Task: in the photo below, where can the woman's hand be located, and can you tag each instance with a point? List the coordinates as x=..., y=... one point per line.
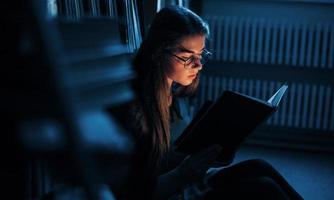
x=190, y=169
x=195, y=166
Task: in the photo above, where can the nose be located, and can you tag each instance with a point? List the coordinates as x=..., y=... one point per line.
x=197, y=64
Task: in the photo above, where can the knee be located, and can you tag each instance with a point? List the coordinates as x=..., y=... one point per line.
x=264, y=182
x=259, y=164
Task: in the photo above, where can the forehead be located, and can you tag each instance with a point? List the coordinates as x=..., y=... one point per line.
x=194, y=43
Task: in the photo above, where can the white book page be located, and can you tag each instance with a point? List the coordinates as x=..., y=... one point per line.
x=276, y=98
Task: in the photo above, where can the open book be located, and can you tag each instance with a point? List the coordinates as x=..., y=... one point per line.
x=227, y=122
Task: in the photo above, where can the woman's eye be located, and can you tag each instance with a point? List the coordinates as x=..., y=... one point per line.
x=190, y=59
x=184, y=56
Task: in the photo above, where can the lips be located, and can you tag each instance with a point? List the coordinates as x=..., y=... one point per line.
x=192, y=76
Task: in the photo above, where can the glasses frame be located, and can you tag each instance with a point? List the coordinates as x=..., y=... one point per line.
x=205, y=55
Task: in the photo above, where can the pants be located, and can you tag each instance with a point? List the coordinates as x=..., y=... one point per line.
x=251, y=179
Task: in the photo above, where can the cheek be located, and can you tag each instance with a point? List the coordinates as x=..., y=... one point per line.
x=176, y=71
x=178, y=74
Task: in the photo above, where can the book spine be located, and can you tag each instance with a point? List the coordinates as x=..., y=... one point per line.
x=68, y=10
x=77, y=8
x=95, y=10
x=111, y=9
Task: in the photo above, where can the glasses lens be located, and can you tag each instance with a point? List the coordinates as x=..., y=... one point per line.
x=190, y=61
x=205, y=56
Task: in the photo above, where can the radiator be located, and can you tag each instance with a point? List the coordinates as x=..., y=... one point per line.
x=272, y=41
x=278, y=43
x=304, y=106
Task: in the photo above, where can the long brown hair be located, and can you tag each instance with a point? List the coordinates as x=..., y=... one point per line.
x=169, y=27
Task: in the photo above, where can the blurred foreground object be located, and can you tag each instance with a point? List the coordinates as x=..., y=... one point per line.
x=62, y=75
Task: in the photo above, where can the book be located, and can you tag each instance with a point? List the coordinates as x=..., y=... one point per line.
x=228, y=121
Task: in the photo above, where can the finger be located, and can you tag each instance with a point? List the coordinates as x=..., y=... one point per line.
x=209, y=159
x=208, y=153
x=206, y=159
x=208, y=150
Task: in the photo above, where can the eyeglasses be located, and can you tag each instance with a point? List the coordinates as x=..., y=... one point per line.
x=190, y=62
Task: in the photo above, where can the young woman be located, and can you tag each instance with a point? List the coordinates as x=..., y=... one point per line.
x=168, y=64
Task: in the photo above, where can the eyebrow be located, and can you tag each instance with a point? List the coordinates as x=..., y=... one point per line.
x=188, y=51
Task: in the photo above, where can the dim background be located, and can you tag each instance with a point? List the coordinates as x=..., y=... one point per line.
x=65, y=61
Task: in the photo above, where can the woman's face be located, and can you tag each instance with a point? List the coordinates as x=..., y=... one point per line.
x=189, y=48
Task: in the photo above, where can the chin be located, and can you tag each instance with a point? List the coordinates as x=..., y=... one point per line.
x=185, y=83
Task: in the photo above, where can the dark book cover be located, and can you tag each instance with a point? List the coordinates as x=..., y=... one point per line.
x=227, y=122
